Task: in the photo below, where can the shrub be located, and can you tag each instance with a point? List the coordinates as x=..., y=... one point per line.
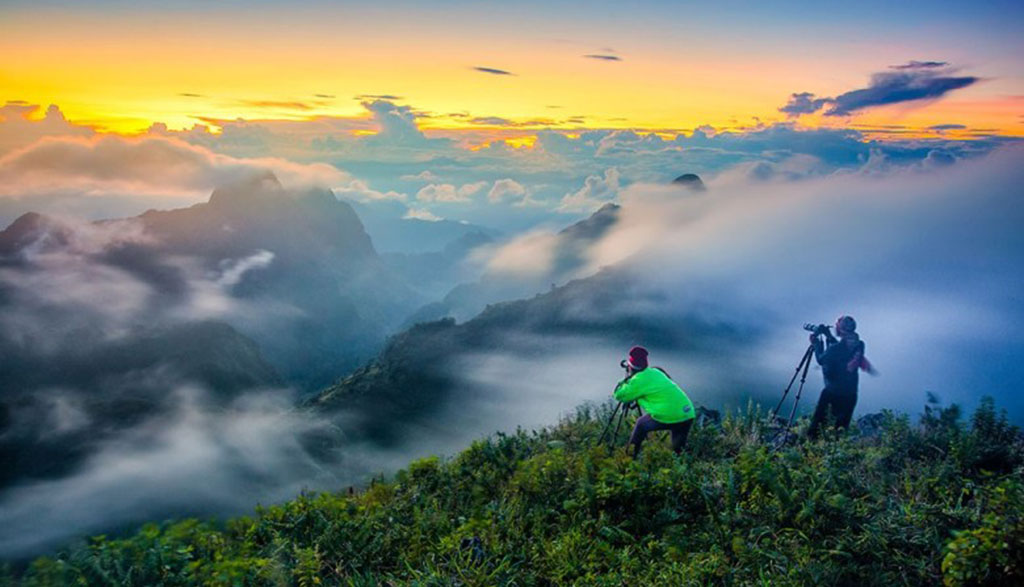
x=937, y=502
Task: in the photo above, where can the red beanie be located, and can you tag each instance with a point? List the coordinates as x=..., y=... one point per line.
x=638, y=358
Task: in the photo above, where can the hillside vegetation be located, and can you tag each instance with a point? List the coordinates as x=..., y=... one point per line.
x=899, y=504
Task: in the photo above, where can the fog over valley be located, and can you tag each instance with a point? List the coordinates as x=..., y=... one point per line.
x=241, y=347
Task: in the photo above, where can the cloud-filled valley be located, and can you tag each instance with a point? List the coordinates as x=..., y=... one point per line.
x=192, y=338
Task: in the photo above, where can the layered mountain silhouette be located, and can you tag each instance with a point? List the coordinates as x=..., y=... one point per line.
x=100, y=323
x=421, y=371
x=434, y=273
x=571, y=245
x=262, y=287
x=334, y=298
x=393, y=231
x=55, y=409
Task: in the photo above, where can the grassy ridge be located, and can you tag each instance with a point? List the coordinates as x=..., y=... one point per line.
x=939, y=502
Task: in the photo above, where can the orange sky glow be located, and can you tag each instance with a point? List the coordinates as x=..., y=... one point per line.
x=122, y=74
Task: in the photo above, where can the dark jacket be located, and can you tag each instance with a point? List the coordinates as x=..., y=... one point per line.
x=839, y=363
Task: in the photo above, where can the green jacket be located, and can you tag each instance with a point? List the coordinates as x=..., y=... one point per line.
x=658, y=395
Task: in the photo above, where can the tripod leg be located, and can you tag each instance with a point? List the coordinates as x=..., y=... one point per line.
x=608, y=425
x=799, y=393
x=801, y=369
x=622, y=416
x=804, y=362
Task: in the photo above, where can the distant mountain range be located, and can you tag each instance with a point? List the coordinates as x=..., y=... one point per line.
x=258, y=287
x=469, y=299
x=56, y=409
x=420, y=372
x=340, y=298
x=263, y=287
x=393, y=232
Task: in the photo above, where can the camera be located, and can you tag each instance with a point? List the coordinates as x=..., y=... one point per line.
x=624, y=364
x=818, y=329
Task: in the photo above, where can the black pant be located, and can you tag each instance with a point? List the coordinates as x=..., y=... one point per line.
x=839, y=403
x=646, y=424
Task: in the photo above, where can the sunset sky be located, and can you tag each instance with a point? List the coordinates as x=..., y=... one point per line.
x=508, y=114
x=671, y=66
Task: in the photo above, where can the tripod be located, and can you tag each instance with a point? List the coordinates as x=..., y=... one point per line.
x=801, y=369
x=621, y=410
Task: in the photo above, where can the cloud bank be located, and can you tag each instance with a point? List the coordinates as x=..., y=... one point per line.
x=201, y=458
x=927, y=259
x=388, y=158
x=110, y=176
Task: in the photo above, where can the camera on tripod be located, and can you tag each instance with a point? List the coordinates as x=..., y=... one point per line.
x=621, y=413
x=818, y=329
x=801, y=371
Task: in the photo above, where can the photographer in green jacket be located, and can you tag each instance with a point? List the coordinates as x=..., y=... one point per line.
x=666, y=405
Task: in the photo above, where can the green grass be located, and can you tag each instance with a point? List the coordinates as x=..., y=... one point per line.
x=932, y=503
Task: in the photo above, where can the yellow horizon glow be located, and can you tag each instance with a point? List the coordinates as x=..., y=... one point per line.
x=123, y=79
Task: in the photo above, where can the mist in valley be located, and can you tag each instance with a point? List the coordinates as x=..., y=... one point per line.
x=929, y=261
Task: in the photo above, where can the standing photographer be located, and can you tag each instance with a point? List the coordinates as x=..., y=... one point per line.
x=840, y=361
x=666, y=405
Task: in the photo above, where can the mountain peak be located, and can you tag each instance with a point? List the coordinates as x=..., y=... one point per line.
x=27, y=228
x=691, y=181
x=257, y=187
x=595, y=225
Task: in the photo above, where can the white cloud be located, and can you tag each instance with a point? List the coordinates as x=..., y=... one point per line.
x=448, y=193
x=505, y=190
x=596, y=191
x=20, y=126
x=425, y=176
x=359, y=191
x=928, y=260
x=531, y=254
x=439, y=192
x=420, y=214
x=471, y=189
x=140, y=166
x=249, y=451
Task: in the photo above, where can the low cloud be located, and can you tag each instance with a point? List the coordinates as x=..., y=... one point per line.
x=386, y=149
x=596, y=192
x=425, y=175
x=140, y=166
x=506, y=190
x=20, y=125
x=200, y=458
x=419, y=214
x=528, y=255
x=910, y=252
x=397, y=123
x=102, y=281
x=603, y=57
x=448, y=193
x=359, y=191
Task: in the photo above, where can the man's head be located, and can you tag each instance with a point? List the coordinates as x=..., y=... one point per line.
x=846, y=325
x=637, y=359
